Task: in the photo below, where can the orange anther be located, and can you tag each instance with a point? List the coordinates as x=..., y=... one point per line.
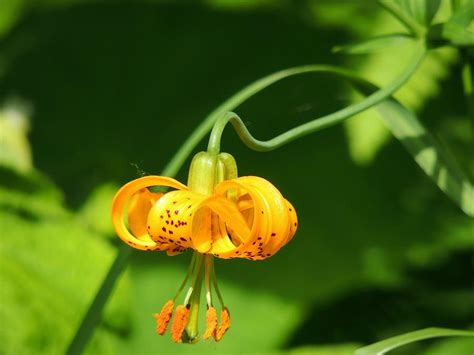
x=225, y=324
x=164, y=317
x=211, y=318
x=179, y=323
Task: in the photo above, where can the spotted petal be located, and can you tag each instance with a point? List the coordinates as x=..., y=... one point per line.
x=140, y=200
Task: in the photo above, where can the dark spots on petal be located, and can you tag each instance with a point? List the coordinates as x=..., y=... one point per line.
x=296, y=224
x=183, y=239
x=176, y=212
x=167, y=222
x=163, y=229
x=273, y=234
x=170, y=232
x=261, y=211
x=259, y=238
x=290, y=209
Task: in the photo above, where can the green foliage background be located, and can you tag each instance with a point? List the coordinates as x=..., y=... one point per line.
x=112, y=90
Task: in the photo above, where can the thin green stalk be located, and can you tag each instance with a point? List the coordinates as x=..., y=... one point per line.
x=92, y=317
x=318, y=123
x=216, y=286
x=185, y=280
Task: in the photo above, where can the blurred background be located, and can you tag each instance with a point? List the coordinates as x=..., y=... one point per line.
x=94, y=94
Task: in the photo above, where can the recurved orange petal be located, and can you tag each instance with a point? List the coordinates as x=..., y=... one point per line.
x=123, y=196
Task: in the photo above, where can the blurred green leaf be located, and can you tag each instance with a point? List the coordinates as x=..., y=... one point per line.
x=430, y=155
x=460, y=27
x=421, y=11
x=50, y=268
x=15, y=151
x=366, y=133
x=400, y=340
x=339, y=349
x=373, y=44
x=10, y=11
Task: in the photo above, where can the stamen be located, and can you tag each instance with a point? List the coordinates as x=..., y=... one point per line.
x=214, y=282
x=225, y=324
x=179, y=323
x=164, y=317
x=188, y=273
x=211, y=320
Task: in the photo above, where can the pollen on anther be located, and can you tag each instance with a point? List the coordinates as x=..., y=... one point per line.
x=211, y=320
x=164, y=317
x=179, y=323
x=225, y=324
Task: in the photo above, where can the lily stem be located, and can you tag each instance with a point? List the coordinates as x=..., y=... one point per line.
x=316, y=124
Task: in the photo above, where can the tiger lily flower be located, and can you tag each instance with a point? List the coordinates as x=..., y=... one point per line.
x=217, y=215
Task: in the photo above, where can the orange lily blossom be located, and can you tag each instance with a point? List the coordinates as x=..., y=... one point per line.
x=217, y=215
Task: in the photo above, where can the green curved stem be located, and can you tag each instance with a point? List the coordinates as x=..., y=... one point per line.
x=230, y=104
x=92, y=317
x=318, y=123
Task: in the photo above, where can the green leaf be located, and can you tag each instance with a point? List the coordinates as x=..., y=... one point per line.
x=50, y=266
x=10, y=12
x=422, y=11
x=460, y=27
x=430, y=155
x=400, y=340
x=373, y=44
